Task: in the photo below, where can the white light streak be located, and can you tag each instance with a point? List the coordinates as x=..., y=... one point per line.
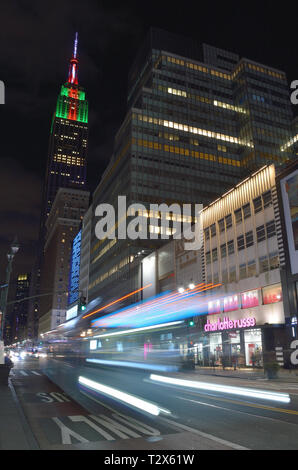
x=133, y=330
x=122, y=396
x=246, y=392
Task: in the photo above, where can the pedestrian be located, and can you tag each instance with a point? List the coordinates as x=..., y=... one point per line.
x=8, y=362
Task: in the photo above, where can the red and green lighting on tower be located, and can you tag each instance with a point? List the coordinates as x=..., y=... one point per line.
x=71, y=102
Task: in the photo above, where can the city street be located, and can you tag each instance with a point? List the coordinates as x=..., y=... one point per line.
x=69, y=417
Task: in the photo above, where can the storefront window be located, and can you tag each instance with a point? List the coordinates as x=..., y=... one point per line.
x=214, y=306
x=253, y=347
x=272, y=294
x=230, y=303
x=215, y=342
x=249, y=299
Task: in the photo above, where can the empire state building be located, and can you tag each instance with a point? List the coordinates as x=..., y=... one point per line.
x=67, y=155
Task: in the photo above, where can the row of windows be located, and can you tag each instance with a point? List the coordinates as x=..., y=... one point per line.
x=246, y=270
x=259, y=203
x=243, y=241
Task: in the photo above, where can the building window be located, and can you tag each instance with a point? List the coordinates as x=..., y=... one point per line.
x=207, y=235
x=228, y=220
x=273, y=260
x=267, y=199
x=231, y=303
x=257, y=204
x=240, y=243
x=242, y=271
x=249, y=299
x=208, y=257
x=214, y=254
x=221, y=225
x=213, y=230
x=223, y=250
x=260, y=233
x=238, y=216
x=249, y=239
x=251, y=268
x=233, y=274
x=246, y=211
x=231, y=249
x=264, y=266
x=270, y=229
x=272, y=294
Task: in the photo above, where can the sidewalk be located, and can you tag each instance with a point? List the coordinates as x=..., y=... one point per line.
x=15, y=433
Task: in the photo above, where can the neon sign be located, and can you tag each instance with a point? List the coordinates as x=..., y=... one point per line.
x=228, y=324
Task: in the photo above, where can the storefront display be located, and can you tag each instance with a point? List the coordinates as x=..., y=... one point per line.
x=272, y=294
x=253, y=347
x=249, y=299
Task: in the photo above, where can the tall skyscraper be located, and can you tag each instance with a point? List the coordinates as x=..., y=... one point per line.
x=67, y=155
x=16, y=328
x=199, y=120
x=66, y=162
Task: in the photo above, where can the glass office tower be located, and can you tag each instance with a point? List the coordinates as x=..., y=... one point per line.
x=199, y=120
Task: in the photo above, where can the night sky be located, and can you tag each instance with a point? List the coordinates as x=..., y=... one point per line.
x=36, y=41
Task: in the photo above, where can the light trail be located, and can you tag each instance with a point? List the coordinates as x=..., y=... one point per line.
x=246, y=392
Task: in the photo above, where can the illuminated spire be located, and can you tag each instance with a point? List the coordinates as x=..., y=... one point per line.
x=73, y=66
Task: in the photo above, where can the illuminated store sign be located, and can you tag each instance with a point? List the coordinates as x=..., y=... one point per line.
x=228, y=324
x=71, y=312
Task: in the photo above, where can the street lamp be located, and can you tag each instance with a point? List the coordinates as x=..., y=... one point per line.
x=14, y=248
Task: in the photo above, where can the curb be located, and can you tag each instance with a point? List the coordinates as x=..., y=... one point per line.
x=32, y=442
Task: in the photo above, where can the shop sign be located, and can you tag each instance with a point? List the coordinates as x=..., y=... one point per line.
x=228, y=324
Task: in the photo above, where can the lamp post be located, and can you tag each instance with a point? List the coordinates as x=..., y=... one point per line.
x=14, y=248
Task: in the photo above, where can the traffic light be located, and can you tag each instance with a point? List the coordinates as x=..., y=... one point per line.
x=82, y=304
x=191, y=322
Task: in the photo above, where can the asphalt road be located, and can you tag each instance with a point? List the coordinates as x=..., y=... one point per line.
x=64, y=414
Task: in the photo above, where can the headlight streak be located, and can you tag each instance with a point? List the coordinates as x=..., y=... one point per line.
x=133, y=330
x=134, y=365
x=123, y=396
x=246, y=392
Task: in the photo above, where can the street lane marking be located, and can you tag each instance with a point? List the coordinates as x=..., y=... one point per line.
x=252, y=405
x=23, y=372
x=66, y=433
x=34, y=372
x=205, y=435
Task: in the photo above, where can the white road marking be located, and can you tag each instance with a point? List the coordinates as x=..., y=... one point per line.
x=66, y=433
x=84, y=419
x=34, y=372
x=203, y=434
x=23, y=372
x=132, y=422
x=115, y=427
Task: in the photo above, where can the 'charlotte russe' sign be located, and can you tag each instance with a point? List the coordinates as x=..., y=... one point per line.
x=228, y=324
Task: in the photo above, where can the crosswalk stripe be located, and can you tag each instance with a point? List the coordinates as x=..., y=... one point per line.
x=34, y=372
x=23, y=372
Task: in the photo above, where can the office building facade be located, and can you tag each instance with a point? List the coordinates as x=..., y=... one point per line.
x=62, y=225
x=197, y=123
